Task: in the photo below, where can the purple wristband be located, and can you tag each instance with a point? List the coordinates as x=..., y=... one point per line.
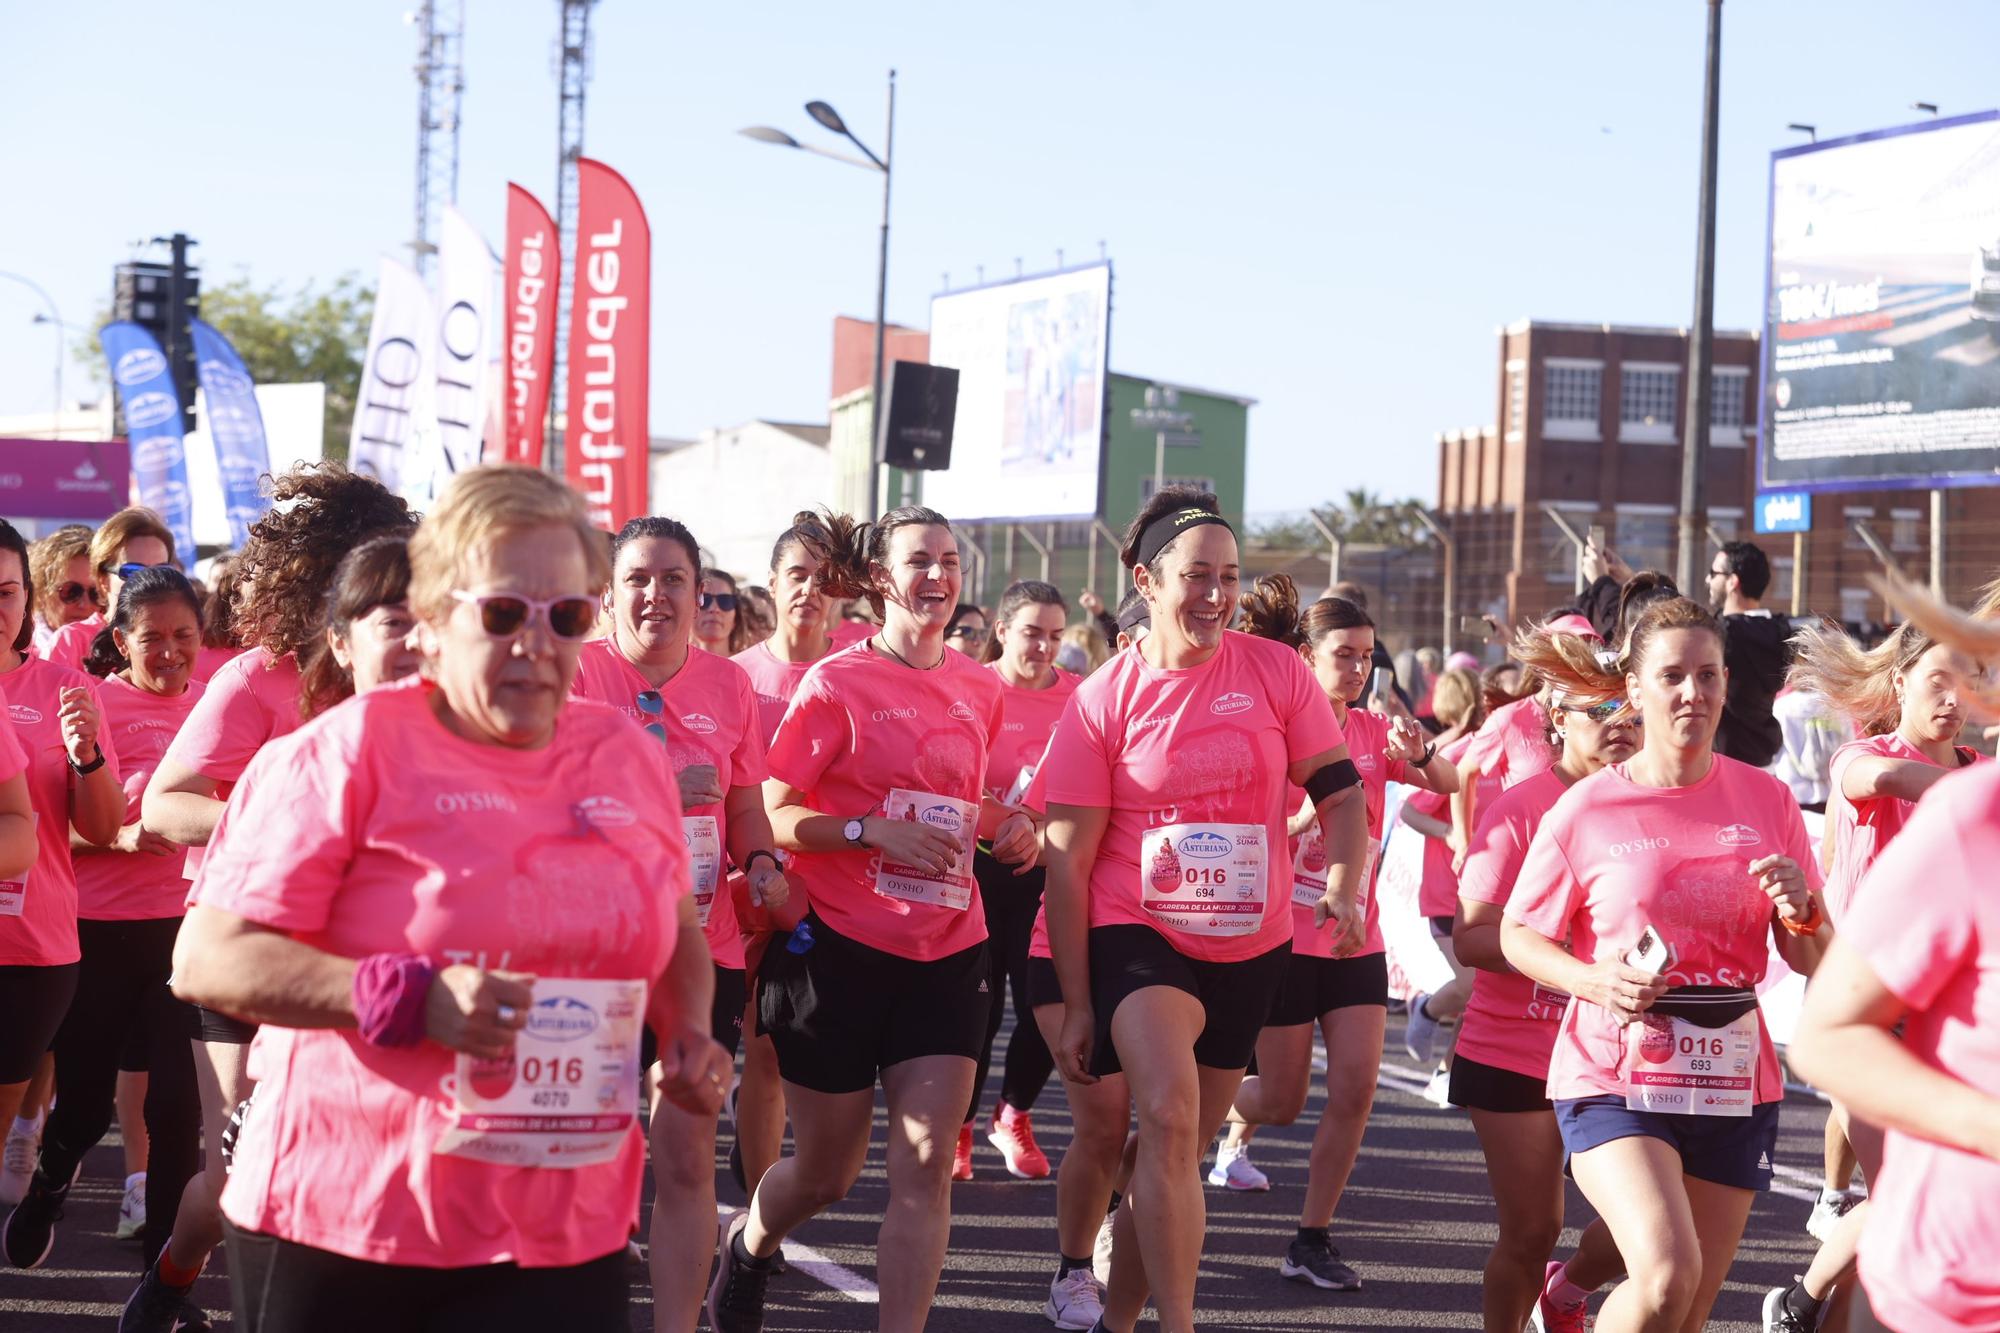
x=390, y=990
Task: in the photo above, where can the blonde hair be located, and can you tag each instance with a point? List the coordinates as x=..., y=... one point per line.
x=1095, y=651
x=1456, y=699
x=121, y=528
x=483, y=507
x=1858, y=682
x=48, y=559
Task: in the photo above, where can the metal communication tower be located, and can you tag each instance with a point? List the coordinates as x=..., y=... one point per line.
x=440, y=96
x=573, y=74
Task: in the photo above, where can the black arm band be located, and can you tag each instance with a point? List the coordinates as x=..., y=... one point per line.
x=1332, y=779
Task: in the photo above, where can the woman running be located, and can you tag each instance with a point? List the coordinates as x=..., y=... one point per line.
x=877, y=788
x=1500, y=1071
x=704, y=710
x=1669, y=876
x=1905, y=696
x=718, y=624
x=968, y=631
x=1169, y=906
x=1021, y=653
x=1345, y=997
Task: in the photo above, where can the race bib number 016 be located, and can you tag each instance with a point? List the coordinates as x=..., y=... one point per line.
x=960, y=819
x=569, y=1095
x=704, y=844
x=1205, y=879
x=1682, y=1068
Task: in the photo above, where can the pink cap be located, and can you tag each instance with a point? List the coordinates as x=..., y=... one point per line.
x=1461, y=661
x=1574, y=624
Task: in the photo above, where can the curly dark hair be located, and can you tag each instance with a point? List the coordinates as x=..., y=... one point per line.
x=321, y=511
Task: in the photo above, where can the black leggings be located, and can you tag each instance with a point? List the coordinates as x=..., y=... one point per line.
x=279, y=1286
x=121, y=987
x=1011, y=903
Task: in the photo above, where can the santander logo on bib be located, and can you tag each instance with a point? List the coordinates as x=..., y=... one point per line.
x=701, y=724
x=1738, y=835
x=1233, y=702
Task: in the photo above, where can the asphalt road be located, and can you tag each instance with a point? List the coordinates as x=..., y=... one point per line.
x=1417, y=1221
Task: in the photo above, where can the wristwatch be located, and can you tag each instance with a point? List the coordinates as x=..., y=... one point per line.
x=84, y=770
x=852, y=831
x=1430, y=753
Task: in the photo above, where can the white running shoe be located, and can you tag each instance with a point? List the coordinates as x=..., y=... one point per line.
x=1100, y=1253
x=1233, y=1169
x=1826, y=1214
x=132, y=1208
x=1420, y=1030
x=1438, y=1091
x=1075, y=1301
x=17, y=1164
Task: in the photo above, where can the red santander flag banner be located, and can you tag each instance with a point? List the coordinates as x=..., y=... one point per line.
x=534, y=273
x=610, y=319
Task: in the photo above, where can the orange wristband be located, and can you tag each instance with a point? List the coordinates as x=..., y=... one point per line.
x=1810, y=924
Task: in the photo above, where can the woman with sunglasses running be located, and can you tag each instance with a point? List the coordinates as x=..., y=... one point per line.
x=1906, y=697
x=1501, y=1069
x=703, y=709
x=877, y=788
x=130, y=540
x=1345, y=997
x=1669, y=876
x=1169, y=901
x=65, y=592
x=968, y=631
x=718, y=624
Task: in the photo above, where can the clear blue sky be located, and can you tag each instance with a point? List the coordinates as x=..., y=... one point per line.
x=1329, y=207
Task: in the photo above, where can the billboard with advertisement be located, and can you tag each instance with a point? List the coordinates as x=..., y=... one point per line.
x=1882, y=325
x=1032, y=385
x=76, y=480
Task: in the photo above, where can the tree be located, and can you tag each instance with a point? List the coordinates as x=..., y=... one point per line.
x=1360, y=517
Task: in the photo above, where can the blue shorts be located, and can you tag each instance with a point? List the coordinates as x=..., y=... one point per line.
x=1723, y=1150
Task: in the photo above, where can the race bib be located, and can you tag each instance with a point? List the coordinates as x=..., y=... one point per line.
x=14, y=892
x=1682, y=1068
x=1020, y=787
x=569, y=1095
x=1546, y=1005
x=1205, y=879
x=704, y=844
x=1309, y=869
x=960, y=819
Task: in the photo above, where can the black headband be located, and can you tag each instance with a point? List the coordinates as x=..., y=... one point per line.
x=1166, y=527
x=1139, y=613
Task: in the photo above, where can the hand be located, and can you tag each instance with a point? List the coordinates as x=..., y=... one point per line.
x=1616, y=567
x=768, y=885
x=699, y=786
x=1595, y=565
x=1015, y=843
x=77, y=712
x=907, y=843
x=1348, y=923
x=1090, y=602
x=1406, y=739
x=463, y=1010
x=1302, y=821
x=1784, y=883
x=1616, y=985
x=694, y=1070
x=133, y=838
x=1073, y=1046
x=1460, y=845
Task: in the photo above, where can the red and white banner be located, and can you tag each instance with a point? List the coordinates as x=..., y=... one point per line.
x=534, y=274
x=610, y=318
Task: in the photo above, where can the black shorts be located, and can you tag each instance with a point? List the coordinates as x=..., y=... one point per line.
x=725, y=1016
x=1044, y=986
x=1478, y=1087
x=33, y=1001
x=841, y=1012
x=219, y=1029
x=1441, y=927
x=1316, y=986
x=1236, y=997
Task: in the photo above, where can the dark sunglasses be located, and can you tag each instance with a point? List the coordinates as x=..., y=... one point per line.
x=132, y=567
x=652, y=705
x=972, y=632
x=717, y=601
x=503, y=614
x=72, y=592
x=1602, y=711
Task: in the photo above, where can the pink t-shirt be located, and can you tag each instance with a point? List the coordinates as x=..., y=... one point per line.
x=1510, y=1020
x=135, y=886
x=71, y=642
x=1859, y=833
x=47, y=925
x=710, y=718
x=1612, y=857
x=1437, y=894
x=14, y=930
x=1513, y=745
x=209, y=661
x=1367, y=736
x=774, y=681
x=1930, y=930
x=399, y=836
x=1027, y=717
x=251, y=699
x=860, y=727
x=1209, y=746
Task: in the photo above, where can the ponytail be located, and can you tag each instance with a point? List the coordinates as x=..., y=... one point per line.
x=1270, y=610
x=848, y=548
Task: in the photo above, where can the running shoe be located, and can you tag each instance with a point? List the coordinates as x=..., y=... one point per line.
x=30, y=1232
x=1826, y=1214
x=1781, y=1318
x=1549, y=1316
x=1233, y=1169
x=132, y=1208
x=1420, y=1030
x=156, y=1307
x=1014, y=1135
x=1318, y=1263
x=1100, y=1253
x=961, y=1158
x=1075, y=1300
x=736, y=1168
x=194, y=1319
x=1438, y=1091
x=17, y=1163
x=736, y=1296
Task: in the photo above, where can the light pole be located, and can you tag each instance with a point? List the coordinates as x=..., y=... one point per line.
x=1810, y=131
x=829, y=118
x=1701, y=351
x=55, y=318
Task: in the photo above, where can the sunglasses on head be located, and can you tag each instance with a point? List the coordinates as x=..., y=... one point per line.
x=505, y=614
x=717, y=601
x=72, y=592
x=132, y=567
x=652, y=705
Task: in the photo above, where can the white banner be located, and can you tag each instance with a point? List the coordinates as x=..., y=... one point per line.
x=395, y=418
x=467, y=279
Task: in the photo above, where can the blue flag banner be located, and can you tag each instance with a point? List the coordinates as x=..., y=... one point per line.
x=153, y=429
x=236, y=426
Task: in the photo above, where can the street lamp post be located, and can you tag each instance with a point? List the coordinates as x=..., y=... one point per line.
x=54, y=317
x=830, y=119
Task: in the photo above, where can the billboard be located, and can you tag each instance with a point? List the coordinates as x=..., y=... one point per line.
x=1029, y=436
x=1882, y=322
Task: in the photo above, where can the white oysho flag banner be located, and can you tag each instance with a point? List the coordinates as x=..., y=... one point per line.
x=395, y=419
x=467, y=279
